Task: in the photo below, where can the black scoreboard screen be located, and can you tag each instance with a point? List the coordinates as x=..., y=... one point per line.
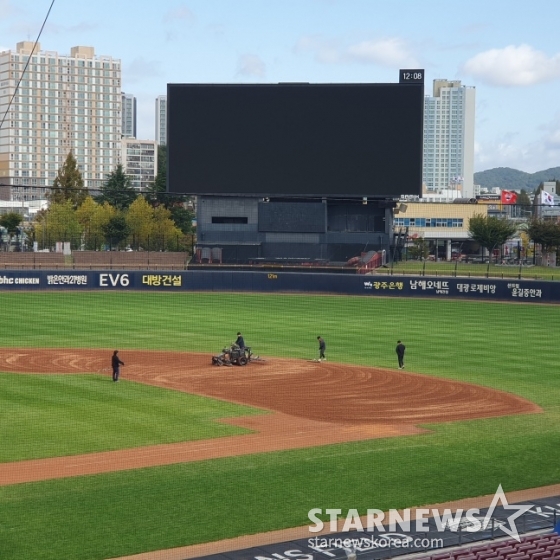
x=295, y=140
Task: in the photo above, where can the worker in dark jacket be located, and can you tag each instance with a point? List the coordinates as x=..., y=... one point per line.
x=322, y=348
x=400, y=353
x=115, y=364
x=240, y=342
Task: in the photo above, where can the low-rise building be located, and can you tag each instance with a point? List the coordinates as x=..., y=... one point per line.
x=445, y=226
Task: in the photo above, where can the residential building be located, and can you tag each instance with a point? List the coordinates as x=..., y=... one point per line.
x=139, y=160
x=128, y=115
x=55, y=104
x=449, y=117
x=161, y=120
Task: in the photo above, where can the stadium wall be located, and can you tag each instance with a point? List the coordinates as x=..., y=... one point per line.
x=282, y=282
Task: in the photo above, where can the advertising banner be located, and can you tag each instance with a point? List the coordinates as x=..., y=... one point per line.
x=285, y=282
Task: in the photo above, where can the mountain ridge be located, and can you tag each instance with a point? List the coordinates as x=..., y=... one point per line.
x=513, y=179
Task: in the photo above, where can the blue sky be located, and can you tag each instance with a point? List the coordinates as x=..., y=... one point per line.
x=508, y=49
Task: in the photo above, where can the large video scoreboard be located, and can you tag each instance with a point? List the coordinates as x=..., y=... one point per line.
x=296, y=139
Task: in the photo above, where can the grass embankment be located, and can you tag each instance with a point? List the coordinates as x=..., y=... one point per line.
x=472, y=270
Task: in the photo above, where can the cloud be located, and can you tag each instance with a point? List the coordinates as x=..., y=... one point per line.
x=551, y=137
x=502, y=152
x=251, y=65
x=180, y=13
x=510, y=151
x=325, y=51
x=175, y=19
x=389, y=51
x=513, y=66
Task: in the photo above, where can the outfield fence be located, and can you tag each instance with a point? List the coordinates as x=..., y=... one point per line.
x=283, y=282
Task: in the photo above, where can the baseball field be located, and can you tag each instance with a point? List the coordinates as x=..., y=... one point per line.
x=180, y=452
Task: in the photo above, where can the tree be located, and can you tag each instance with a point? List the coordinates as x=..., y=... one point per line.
x=490, y=231
x=419, y=249
x=11, y=222
x=183, y=217
x=68, y=184
x=523, y=198
x=93, y=217
x=544, y=232
x=117, y=190
x=166, y=234
x=157, y=195
x=524, y=203
x=139, y=217
x=116, y=230
x=58, y=223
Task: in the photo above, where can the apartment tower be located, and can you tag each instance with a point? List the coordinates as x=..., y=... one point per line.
x=128, y=115
x=161, y=120
x=54, y=104
x=449, y=138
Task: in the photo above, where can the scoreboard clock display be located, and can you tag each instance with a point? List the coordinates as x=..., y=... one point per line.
x=411, y=76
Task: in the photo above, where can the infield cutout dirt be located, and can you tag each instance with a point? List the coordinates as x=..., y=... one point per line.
x=312, y=404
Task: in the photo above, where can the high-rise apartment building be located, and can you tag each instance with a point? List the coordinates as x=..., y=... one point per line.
x=449, y=138
x=55, y=104
x=139, y=159
x=128, y=115
x=161, y=120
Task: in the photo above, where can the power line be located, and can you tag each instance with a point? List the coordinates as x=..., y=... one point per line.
x=27, y=64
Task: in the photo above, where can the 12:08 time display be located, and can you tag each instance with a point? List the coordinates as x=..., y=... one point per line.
x=411, y=76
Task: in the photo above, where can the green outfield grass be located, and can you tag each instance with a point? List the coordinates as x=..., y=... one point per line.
x=507, y=346
x=55, y=415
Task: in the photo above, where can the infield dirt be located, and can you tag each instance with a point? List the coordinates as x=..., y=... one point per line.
x=311, y=404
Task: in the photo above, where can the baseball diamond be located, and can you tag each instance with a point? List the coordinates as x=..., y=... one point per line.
x=307, y=411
